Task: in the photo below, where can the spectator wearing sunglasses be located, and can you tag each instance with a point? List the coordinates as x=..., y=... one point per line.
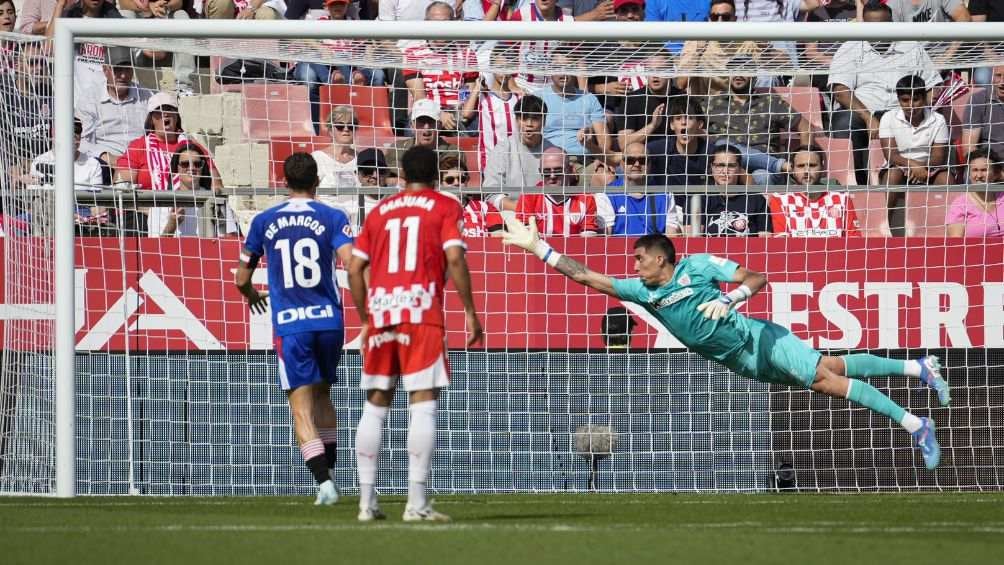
x=715, y=55
x=560, y=211
x=480, y=216
x=631, y=211
x=191, y=166
x=336, y=163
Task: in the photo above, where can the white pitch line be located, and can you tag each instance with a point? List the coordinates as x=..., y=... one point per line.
x=585, y=500
x=829, y=527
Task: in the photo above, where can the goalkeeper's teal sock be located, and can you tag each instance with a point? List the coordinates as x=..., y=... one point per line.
x=864, y=365
x=868, y=396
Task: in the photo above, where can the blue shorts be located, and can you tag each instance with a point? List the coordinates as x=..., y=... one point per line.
x=775, y=355
x=308, y=358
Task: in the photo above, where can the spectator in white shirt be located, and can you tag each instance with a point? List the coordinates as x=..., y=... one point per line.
x=863, y=76
x=89, y=174
x=115, y=115
x=915, y=143
x=514, y=163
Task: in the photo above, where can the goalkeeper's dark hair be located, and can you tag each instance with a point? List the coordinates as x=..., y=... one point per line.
x=420, y=165
x=300, y=170
x=686, y=106
x=659, y=243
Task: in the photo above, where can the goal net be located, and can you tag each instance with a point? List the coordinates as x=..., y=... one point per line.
x=793, y=158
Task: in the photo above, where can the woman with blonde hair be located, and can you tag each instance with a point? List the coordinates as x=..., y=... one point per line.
x=336, y=163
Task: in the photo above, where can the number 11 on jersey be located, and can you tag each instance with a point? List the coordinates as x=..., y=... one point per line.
x=393, y=226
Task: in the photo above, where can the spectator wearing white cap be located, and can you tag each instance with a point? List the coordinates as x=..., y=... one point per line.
x=147, y=160
x=425, y=124
x=114, y=115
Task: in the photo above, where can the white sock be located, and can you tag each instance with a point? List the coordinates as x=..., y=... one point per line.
x=911, y=368
x=421, y=443
x=910, y=422
x=368, y=437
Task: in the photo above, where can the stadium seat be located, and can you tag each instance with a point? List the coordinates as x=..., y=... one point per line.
x=276, y=111
x=839, y=159
x=372, y=108
x=926, y=212
x=872, y=213
x=806, y=101
x=215, y=64
x=876, y=159
x=279, y=149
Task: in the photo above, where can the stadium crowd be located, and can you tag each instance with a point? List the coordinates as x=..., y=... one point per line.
x=643, y=142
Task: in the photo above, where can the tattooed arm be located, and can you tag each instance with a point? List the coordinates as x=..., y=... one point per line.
x=580, y=274
x=526, y=237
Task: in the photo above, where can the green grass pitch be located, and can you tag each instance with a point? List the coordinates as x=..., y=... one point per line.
x=949, y=529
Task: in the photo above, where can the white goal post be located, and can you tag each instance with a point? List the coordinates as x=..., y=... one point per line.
x=284, y=34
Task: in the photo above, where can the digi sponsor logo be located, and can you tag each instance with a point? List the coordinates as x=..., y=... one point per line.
x=299, y=313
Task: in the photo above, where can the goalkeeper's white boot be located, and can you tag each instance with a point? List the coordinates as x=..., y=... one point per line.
x=327, y=494
x=930, y=374
x=427, y=514
x=370, y=514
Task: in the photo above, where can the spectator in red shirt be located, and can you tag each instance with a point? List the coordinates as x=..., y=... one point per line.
x=448, y=89
x=147, y=160
x=480, y=216
x=820, y=211
x=557, y=213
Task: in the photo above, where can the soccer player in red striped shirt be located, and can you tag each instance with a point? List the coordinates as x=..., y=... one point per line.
x=409, y=243
x=818, y=212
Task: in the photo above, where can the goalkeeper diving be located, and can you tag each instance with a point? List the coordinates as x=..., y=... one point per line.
x=687, y=299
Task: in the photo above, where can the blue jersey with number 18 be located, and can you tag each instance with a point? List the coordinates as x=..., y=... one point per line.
x=298, y=239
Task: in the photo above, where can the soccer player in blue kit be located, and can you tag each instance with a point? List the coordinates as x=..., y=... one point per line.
x=299, y=238
x=686, y=297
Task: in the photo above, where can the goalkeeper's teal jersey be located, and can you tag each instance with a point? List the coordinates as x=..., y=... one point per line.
x=695, y=281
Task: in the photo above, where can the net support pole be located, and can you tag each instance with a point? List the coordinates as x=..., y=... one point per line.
x=63, y=327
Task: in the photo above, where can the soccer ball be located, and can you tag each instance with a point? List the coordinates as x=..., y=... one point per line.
x=594, y=441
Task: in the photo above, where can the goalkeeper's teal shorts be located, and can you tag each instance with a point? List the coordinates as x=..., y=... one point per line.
x=775, y=355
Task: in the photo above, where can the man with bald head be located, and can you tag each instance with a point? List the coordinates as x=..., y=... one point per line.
x=558, y=209
x=633, y=210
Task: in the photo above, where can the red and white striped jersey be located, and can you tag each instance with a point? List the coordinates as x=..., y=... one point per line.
x=574, y=215
x=479, y=216
x=532, y=52
x=830, y=215
x=633, y=75
x=441, y=84
x=496, y=120
x=405, y=238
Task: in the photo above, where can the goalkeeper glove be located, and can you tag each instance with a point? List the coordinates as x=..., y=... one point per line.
x=720, y=307
x=525, y=236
